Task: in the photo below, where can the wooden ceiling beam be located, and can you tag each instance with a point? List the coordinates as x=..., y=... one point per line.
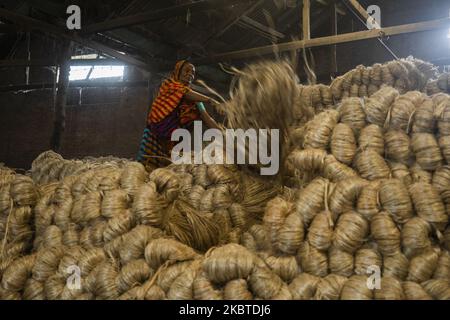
x=330, y=40
x=51, y=63
x=155, y=15
x=41, y=26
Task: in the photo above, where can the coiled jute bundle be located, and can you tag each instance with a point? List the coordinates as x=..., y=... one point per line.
x=353, y=114
x=50, y=166
x=343, y=143
x=426, y=148
x=18, y=196
x=429, y=205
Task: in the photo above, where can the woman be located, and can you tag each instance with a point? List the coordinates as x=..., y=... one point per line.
x=176, y=106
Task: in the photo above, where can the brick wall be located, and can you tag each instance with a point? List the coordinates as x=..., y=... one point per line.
x=108, y=122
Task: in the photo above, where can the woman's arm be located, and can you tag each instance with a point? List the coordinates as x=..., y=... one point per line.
x=198, y=97
x=210, y=122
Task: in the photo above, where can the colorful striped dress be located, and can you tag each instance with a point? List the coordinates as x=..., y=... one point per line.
x=168, y=112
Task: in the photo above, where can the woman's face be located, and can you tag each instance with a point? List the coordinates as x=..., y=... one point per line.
x=187, y=74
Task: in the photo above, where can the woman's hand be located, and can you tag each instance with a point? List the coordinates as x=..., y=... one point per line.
x=213, y=102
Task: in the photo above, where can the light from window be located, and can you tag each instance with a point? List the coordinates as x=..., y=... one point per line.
x=95, y=72
x=107, y=72
x=448, y=35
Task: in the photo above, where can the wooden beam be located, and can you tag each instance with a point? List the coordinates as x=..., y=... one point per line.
x=27, y=63
x=333, y=48
x=61, y=97
x=52, y=63
x=154, y=15
x=306, y=20
x=260, y=28
x=327, y=4
x=37, y=25
x=330, y=40
x=76, y=84
x=232, y=21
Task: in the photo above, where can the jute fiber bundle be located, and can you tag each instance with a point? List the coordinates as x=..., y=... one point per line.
x=444, y=144
x=416, y=236
x=284, y=266
x=350, y=232
x=404, y=74
x=414, y=291
x=442, y=270
x=390, y=289
x=429, y=205
x=312, y=260
x=345, y=195
x=427, y=151
x=444, y=82
x=320, y=231
x=371, y=165
x=377, y=106
x=422, y=266
x=368, y=204
x=403, y=109
x=330, y=287
x=442, y=113
x=284, y=225
x=356, y=288
x=396, y=266
x=398, y=146
x=311, y=200
x=418, y=174
x=50, y=166
x=263, y=97
x=385, y=233
x=402, y=172
x=341, y=262
x=18, y=196
x=424, y=120
x=366, y=258
x=306, y=165
x=343, y=143
x=371, y=137
x=304, y=286
x=394, y=199
x=352, y=114
x=319, y=130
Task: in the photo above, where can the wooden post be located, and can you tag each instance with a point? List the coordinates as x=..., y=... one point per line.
x=306, y=20
x=60, y=104
x=334, y=68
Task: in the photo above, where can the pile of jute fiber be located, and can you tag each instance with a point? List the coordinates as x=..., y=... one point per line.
x=366, y=188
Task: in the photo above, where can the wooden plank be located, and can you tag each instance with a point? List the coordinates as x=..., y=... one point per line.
x=330, y=40
x=61, y=97
x=76, y=84
x=25, y=63
x=232, y=21
x=52, y=63
x=262, y=28
x=96, y=62
x=154, y=15
x=37, y=25
x=306, y=20
x=333, y=48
